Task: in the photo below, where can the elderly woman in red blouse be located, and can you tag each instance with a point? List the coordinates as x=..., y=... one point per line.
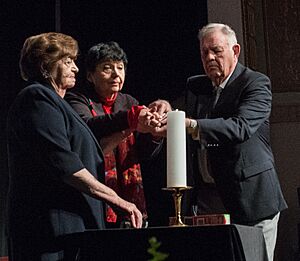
x=109, y=113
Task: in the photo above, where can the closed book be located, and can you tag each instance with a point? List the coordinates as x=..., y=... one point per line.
x=203, y=220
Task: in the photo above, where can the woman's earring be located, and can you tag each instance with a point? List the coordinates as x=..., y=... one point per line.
x=45, y=74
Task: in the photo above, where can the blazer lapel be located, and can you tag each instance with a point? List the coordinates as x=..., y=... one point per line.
x=203, y=106
x=65, y=104
x=232, y=83
x=75, y=114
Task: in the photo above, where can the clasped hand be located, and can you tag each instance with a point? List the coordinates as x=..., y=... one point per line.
x=153, y=119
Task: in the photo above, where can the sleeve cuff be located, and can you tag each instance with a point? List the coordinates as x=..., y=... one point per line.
x=133, y=116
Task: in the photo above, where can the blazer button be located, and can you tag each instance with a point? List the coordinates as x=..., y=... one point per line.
x=213, y=145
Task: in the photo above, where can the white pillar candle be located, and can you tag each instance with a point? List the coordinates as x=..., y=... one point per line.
x=176, y=149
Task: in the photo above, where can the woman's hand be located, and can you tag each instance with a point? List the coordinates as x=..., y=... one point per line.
x=160, y=131
x=109, y=143
x=154, y=119
x=85, y=182
x=147, y=121
x=160, y=107
x=135, y=215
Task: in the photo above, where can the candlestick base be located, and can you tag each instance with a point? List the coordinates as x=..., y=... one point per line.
x=177, y=196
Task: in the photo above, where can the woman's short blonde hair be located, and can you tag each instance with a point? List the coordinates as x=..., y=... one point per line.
x=40, y=53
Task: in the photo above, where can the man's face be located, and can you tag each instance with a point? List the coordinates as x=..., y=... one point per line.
x=218, y=58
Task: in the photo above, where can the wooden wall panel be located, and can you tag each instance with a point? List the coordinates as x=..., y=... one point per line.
x=283, y=37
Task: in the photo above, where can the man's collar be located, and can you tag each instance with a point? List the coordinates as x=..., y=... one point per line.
x=223, y=84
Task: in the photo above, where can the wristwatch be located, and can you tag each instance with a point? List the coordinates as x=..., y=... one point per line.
x=192, y=127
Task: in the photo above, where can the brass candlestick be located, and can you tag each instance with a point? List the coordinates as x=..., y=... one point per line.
x=177, y=196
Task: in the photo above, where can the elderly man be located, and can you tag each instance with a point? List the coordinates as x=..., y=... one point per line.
x=229, y=111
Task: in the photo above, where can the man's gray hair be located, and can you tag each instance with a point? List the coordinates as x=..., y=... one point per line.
x=212, y=27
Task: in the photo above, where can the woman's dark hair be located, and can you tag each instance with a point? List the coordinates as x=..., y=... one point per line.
x=40, y=53
x=110, y=51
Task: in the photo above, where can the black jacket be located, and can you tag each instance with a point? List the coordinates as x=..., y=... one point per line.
x=237, y=138
x=47, y=140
